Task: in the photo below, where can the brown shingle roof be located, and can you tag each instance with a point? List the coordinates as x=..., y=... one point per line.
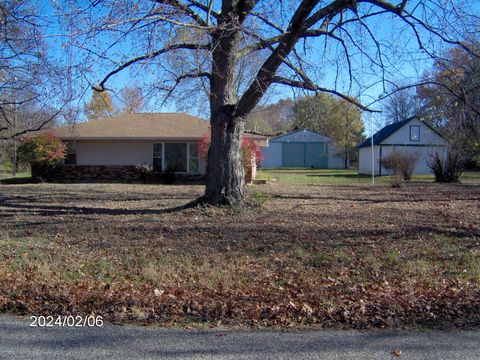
x=140, y=126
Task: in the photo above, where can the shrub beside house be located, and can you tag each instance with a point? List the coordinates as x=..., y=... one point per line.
x=42, y=153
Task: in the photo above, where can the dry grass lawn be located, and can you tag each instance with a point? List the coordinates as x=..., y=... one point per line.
x=347, y=256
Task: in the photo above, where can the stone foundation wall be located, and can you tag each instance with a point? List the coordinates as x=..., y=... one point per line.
x=98, y=173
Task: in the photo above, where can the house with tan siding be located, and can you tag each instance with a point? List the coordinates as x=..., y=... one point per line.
x=115, y=145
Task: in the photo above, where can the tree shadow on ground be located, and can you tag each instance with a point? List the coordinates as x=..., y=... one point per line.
x=19, y=181
x=346, y=176
x=52, y=210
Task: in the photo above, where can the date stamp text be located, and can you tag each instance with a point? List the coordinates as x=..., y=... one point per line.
x=66, y=321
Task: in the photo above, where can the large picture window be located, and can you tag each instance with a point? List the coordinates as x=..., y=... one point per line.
x=157, y=157
x=176, y=157
x=414, y=133
x=179, y=157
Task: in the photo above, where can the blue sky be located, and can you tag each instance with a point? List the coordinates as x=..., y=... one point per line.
x=407, y=67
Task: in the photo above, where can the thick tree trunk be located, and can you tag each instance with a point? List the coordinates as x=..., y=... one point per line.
x=225, y=175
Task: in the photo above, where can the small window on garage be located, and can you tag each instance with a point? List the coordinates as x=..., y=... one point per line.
x=414, y=132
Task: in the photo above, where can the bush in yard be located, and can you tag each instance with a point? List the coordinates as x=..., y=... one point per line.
x=250, y=150
x=42, y=153
x=401, y=164
x=398, y=181
x=8, y=166
x=169, y=174
x=446, y=168
x=474, y=162
x=145, y=170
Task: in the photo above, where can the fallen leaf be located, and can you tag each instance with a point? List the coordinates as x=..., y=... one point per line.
x=158, y=293
x=397, y=352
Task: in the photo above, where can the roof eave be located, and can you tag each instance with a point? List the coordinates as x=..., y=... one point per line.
x=129, y=138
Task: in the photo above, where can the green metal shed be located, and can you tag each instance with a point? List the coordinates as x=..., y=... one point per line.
x=302, y=149
x=305, y=154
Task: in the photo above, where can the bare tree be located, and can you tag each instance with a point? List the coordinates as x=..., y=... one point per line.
x=212, y=42
x=132, y=99
x=401, y=105
x=29, y=82
x=452, y=102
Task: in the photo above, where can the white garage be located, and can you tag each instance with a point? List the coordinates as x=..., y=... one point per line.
x=409, y=136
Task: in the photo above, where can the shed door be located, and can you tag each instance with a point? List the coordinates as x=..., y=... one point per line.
x=305, y=155
x=316, y=155
x=293, y=155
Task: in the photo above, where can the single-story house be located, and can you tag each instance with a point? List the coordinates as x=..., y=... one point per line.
x=302, y=149
x=411, y=136
x=113, y=146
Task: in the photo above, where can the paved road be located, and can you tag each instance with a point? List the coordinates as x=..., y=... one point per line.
x=19, y=341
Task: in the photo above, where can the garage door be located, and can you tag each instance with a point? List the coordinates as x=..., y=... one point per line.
x=316, y=155
x=293, y=155
x=305, y=155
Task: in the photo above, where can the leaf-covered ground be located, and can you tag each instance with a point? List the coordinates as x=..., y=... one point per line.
x=331, y=256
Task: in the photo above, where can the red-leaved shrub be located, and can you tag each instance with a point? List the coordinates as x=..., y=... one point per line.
x=42, y=152
x=250, y=150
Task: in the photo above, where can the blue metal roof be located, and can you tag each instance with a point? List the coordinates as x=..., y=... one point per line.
x=385, y=132
x=301, y=135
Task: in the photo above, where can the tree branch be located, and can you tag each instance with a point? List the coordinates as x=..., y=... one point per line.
x=101, y=86
x=180, y=78
x=208, y=9
x=185, y=9
x=265, y=43
x=399, y=10
x=423, y=83
x=312, y=87
x=267, y=21
x=34, y=129
x=298, y=25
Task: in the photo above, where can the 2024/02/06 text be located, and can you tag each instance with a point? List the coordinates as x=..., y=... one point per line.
x=66, y=321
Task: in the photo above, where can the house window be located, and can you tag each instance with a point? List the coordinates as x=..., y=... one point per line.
x=157, y=157
x=414, y=132
x=71, y=156
x=193, y=158
x=180, y=157
x=176, y=156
